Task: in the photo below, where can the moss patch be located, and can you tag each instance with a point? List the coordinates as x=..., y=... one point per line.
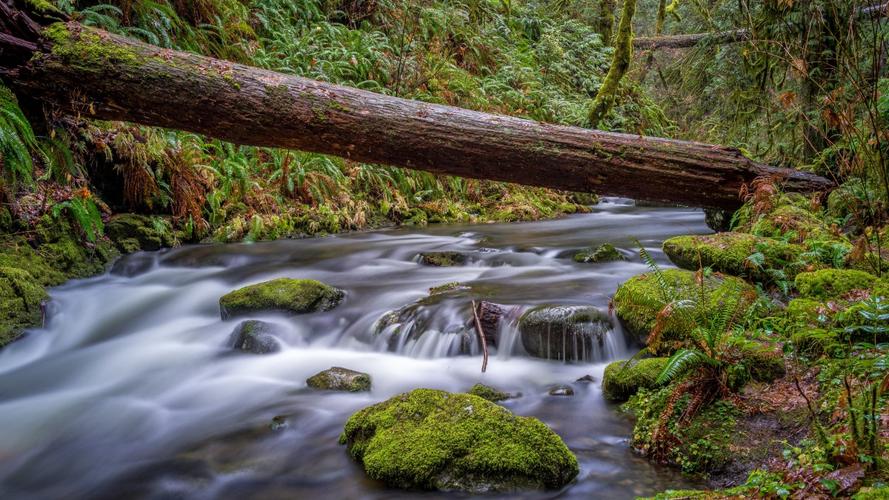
x=731, y=253
x=20, y=302
x=833, y=283
x=622, y=380
x=293, y=296
x=488, y=392
x=639, y=300
x=443, y=259
x=431, y=439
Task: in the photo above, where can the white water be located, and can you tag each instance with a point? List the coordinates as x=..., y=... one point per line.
x=129, y=390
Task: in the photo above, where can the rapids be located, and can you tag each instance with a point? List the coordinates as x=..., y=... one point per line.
x=128, y=390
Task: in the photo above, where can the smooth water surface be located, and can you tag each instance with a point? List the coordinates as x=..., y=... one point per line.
x=130, y=392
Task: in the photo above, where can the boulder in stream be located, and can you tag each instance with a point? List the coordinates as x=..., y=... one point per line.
x=340, y=379
x=431, y=439
x=443, y=259
x=285, y=295
x=623, y=378
x=255, y=337
x=602, y=253
x=487, y=392
x=568, y=333
x=561, y=390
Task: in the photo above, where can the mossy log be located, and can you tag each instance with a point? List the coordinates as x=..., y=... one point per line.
x=90, y=72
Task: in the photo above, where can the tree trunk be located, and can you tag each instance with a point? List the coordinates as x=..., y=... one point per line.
x=620, y=63
x=87, y=71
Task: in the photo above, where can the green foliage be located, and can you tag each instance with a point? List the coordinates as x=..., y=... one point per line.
x=622, y=379
x=17, y=142
x=85, y=214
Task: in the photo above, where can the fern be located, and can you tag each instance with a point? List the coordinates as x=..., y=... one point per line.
x=680, y=363
x=85, y=213
x=17, y=142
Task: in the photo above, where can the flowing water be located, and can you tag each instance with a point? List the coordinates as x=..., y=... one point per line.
x=129, y=390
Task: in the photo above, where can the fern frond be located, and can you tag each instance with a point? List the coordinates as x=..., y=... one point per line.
x=679, y=363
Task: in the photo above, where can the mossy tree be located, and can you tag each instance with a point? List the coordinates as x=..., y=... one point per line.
x=620, y=63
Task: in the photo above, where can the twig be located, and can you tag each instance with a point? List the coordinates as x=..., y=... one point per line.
x=481, y=336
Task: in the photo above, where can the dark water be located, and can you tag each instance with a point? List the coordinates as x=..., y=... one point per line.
x=129, y=392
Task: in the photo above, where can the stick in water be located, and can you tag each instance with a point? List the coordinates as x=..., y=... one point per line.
x=481, y=336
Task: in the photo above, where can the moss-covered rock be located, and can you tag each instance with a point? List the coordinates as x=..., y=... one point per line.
x=20, y=302
x=832, y=283
x=872, y=493
x=568, y=333
x=340, y=379
x=488, y=392
x=254, y=336
x=763, y=362
x=602, y=253
x=132, y=232
x=639, y=300
x=430, y=439
x=731, y=253
x=443, y=259
x=623, y=379
x=285, y=295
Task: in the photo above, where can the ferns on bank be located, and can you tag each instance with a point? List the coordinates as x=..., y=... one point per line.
x=17, y=142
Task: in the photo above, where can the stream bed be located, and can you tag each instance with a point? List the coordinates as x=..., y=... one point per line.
x=129, y=391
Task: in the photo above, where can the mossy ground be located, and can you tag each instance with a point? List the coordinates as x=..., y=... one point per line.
x=431, y=439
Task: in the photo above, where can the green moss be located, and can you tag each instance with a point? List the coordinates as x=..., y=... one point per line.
x=442, y=259
x=705, y=443
x=75, y=45
x=764, y=363
x=603, y=253
x=293, y=296
x=639, y=300
x=340, y=379
x=731, y=253
x=488, y=392
x=20, y=302
x=622, y=380
x=431, y=439
x=872, y=493
x=132, y=232
x=833, y=283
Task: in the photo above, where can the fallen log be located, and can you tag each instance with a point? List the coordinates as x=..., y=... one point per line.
x=87, y=71
x=685, y=41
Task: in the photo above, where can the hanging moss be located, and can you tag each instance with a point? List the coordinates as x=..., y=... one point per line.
x=620, y=63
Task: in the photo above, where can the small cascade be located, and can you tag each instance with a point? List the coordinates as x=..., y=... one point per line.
x=428, y=329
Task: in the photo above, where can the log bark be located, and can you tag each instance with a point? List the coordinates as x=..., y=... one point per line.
x=87, y=71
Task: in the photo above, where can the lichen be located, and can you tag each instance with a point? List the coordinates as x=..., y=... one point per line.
x=622, y=379
x=286, y=295
x=832, y=283
x=77, y=46
x=430, y=439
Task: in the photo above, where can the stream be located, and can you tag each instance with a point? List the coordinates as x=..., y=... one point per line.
x=129, y=390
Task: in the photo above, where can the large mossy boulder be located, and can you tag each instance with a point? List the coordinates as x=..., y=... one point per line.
x=622, y=378
x=567, y=333
x=132, y=232
x=340, y=379
x=430, y=439
x=283, y=295
x=20, y=302
x=731, y=253
x=639, y=300
x=254, y=336
x=833, y=283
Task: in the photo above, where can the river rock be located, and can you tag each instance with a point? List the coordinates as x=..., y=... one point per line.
x=430, y=439
x=132, y=232
x=340, y=379
x=561, y=390
x=623, y=378
x=285, y=295
x=565, y=333
x=255, y=337
x=443, y=259
x=487, y=392
x=586, y=379
x=602, y=253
